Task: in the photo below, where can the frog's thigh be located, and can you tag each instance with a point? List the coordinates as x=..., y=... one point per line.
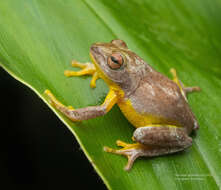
x=163, y=136
x=153, y=141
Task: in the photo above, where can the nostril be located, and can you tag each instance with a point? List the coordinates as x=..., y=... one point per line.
x=94, y=49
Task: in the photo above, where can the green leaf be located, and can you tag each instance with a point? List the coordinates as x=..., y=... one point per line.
x=38, y=40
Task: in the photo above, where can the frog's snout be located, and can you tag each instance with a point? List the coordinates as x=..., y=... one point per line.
x=97, y=53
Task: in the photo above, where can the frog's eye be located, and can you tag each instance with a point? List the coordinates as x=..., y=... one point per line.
x=115, y=61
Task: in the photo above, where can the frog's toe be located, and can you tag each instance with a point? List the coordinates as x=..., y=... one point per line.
x=93, y=85
x=192, y=89
x=70, y=107
x=68, y=73
x=131, y=153
x=51, y=98
x=94, y=79
x=173, y=72
x=121, y=143
x=49, y=95
x=86, y=69
x=78, y=64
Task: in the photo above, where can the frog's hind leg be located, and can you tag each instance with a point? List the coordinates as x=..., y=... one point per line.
x=152, y=141
x=184, y=90
x=86, y=69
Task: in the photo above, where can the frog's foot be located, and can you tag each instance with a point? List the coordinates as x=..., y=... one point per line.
x=86, y=69
x=54, y=102
x=184, y=89
x=131, y=151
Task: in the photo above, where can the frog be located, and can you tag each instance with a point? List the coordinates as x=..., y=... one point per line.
x=154, y=104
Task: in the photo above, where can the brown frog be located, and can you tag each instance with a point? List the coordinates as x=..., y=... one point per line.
x=155, y=105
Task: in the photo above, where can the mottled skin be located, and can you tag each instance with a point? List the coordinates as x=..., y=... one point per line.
x=154, y=104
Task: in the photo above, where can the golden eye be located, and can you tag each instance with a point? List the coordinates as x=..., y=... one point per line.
x=115, y=61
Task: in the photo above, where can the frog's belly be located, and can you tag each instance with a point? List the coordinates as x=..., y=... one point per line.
x=139, y=119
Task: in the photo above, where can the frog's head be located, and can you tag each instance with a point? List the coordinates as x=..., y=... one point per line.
x=117, y=64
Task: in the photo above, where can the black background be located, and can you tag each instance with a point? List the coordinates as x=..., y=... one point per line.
x=37, y=150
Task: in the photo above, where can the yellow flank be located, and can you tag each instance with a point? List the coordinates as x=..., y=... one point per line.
x=142, y=120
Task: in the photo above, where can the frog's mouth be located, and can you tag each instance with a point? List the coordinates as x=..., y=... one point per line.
x=95, y=62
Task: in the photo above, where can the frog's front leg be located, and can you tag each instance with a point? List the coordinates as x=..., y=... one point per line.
x=184, y=90
x=153, y=141
x=86, y=69
x=84, y=113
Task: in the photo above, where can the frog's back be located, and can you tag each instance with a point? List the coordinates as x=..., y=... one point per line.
x=158, y=100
